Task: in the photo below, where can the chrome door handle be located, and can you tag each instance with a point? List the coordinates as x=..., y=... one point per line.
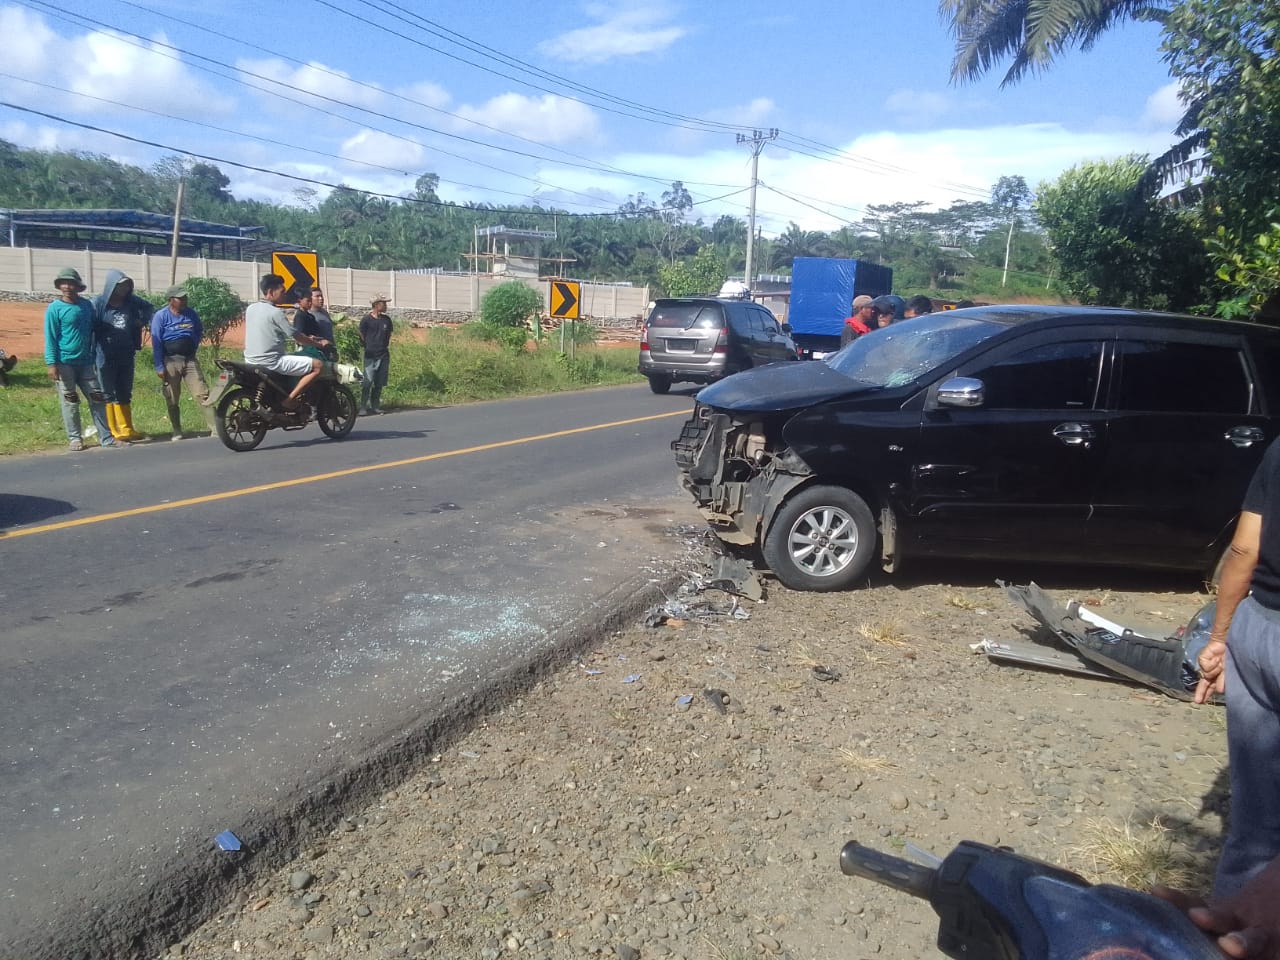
x=1075, y=434
x=1244, y=436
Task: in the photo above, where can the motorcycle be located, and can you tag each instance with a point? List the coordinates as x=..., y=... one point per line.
x=248, y=401
x=994, y=903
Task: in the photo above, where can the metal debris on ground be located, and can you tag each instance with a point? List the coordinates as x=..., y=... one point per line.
x=227, y=840
x=631, y=679
x=826, y=674
x=1098, y=647
x=704, y=573
x=735, y=576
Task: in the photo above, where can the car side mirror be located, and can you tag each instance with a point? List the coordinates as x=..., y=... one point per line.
x=786, y=328
x=961, y=392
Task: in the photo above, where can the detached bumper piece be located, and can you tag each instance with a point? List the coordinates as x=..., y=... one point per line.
x=1094, y=646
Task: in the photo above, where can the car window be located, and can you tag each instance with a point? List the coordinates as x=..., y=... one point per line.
x=1156, y=376
x=739, y=321
x=768, y=323
x=686, y=316
x=1266, y=355
x=1049, y=376
x=896, y=355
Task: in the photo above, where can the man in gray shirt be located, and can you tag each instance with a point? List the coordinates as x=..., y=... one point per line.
x=265, y=330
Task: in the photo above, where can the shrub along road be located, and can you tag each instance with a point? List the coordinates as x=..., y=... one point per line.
x=197, y=640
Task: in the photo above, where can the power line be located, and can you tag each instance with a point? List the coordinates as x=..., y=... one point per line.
x=301, y=179
x=338, y=75
x=141, y=42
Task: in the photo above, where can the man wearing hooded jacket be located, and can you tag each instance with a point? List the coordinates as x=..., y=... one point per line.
x=120, y=316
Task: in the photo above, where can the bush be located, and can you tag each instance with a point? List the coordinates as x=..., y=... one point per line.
x=219, y=308
x=511, y=337
x=509, y=304
x=346, y=337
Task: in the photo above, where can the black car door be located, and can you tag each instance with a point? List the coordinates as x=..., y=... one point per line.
x=1187, y=431
x=774, y=344
x=1016, y=476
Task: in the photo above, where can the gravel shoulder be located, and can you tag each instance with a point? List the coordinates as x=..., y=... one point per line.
x=596, y=814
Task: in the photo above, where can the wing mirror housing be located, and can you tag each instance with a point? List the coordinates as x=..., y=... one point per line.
x=961, y=392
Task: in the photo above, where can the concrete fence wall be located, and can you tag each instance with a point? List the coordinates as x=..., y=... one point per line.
x=24, y=269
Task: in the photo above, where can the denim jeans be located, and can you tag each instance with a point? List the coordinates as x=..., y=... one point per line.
x=1253, y=746
x=375, y=378
x=83, y=379
x=116, y=376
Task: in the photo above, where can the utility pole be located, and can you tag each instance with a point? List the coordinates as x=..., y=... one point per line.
x=757, y=140
x=177, y=233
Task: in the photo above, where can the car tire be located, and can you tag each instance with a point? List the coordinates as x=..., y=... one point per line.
x=822, y=539
x=659, y=382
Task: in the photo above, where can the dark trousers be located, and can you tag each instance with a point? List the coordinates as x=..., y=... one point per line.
x=115, y=374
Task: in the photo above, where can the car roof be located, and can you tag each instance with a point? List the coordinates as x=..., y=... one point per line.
x=1054, y=315
x=699, y=300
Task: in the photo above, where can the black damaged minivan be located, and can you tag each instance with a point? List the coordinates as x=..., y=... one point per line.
x=1073, y=434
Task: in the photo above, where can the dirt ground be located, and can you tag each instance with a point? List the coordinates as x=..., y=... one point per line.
x=600, y=814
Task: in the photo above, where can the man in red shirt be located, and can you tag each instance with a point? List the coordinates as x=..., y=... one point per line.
x=862, y=321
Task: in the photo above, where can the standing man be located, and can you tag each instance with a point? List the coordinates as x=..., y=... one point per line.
x=265, y=331
x=324, y=323
x=1243, y=656
x=375, y=334
x=68, y=353
x=120, y=317
x=862, y=321
x=176, y=332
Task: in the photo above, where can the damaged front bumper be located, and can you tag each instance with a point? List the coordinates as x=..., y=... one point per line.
x=736, y=473
x=1097, y=647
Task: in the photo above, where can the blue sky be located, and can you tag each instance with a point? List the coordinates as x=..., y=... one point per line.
x=577, y=105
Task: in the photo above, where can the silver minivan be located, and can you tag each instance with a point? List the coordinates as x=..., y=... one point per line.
x=701, y=339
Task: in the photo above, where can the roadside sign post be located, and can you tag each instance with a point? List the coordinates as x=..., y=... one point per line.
x=566, y=304
x=300, y=271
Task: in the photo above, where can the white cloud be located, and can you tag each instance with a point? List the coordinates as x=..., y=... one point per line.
x=548, y=119
x=1164, y=108
x=432, y=94
x=630, y=32
x=371, y=146
x=315, y=84
x=918, y=106
x=99, y=64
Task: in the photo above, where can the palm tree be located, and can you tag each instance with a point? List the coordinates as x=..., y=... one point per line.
x=1033, y=32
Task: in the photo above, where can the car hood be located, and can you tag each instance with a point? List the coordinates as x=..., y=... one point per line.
x=779, y=386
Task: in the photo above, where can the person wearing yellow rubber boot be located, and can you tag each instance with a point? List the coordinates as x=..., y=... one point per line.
x=120, y=317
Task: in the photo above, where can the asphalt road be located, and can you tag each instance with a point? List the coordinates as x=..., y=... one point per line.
x=196, y=640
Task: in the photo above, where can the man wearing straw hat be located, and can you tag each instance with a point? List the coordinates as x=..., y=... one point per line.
x=68, y=353
x=375, y=334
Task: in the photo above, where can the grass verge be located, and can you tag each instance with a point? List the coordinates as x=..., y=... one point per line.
x=449, y=367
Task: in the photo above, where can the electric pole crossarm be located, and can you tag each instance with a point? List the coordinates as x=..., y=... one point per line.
x=757, y=140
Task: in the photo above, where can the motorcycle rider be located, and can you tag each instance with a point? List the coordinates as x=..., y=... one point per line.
x=265, y=330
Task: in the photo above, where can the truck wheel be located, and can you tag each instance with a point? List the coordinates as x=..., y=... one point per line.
x=659, y=382
x=822, y=539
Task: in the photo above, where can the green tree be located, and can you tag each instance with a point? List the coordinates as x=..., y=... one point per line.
x=509, y=304
x=1115, y=244
x=1032, y=33
x=1009, y=194
x=1226, y=54
x=703, y=273
x=219, y=308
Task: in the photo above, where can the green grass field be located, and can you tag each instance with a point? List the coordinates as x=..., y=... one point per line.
x=451, y=366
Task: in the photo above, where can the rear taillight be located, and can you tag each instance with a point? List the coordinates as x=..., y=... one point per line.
x=722, y=342
x=644, y=337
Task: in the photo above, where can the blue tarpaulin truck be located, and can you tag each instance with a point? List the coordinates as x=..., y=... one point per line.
x=822, y=292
